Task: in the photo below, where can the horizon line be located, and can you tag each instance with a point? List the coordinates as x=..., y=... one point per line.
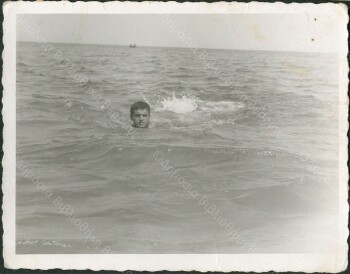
x=120, y=45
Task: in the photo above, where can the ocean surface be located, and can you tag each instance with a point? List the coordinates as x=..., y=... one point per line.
x=262, y=154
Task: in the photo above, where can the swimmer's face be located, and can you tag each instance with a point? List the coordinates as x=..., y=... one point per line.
x=140, y=118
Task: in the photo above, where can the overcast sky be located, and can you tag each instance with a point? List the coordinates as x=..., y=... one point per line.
x=277, y=32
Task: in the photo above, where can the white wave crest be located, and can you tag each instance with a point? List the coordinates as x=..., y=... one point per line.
x=221, y=106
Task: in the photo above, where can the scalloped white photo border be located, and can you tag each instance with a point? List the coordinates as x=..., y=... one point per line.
x=326, y=262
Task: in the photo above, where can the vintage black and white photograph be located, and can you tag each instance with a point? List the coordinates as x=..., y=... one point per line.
x=206, y=132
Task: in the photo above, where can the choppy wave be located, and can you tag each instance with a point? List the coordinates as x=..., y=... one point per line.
x=212, y=135
x=20, y=64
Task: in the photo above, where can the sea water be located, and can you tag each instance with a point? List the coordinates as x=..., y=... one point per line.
x=262, y=153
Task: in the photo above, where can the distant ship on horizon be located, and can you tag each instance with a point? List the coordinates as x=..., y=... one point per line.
x=132, y=45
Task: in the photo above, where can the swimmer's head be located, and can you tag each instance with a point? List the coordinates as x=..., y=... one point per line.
x=140, y=113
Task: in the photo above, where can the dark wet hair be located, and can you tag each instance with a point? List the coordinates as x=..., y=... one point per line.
x=140, y=105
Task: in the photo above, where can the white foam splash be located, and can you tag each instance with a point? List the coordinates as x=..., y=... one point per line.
x=183, y=104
